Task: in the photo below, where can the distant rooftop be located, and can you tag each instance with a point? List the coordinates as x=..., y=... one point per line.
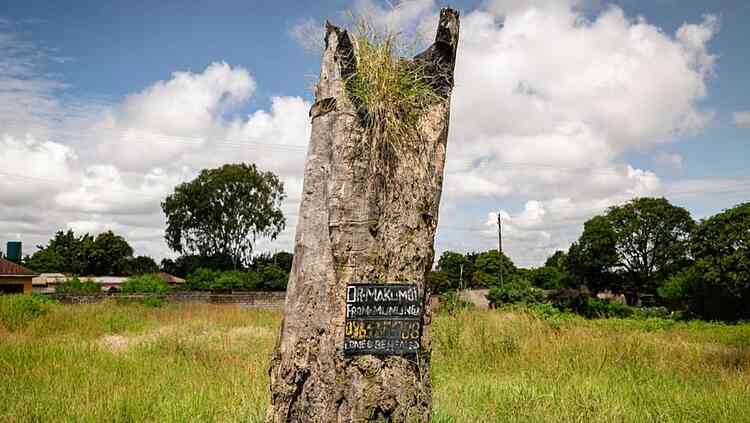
x=8, y=268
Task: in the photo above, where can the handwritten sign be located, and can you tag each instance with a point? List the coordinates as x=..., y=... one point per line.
x=383, y=319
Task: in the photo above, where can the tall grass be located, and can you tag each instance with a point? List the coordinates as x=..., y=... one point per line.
x=120, y=362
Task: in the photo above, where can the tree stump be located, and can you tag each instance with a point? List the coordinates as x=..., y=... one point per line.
x=365, y=217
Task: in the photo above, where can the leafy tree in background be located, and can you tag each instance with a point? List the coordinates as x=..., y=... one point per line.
x=281, y=259
x=633, y=248
x=150, y=283
x=487, y=266
x=45, y=260
x=139, y=266
x=593, y=258
x=223, y=211
x=108, y=254
x=717, y=285
x=439, y=282
x=185, y=265
x=456, y=267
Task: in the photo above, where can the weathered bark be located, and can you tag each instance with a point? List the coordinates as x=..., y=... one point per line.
x=364, y=217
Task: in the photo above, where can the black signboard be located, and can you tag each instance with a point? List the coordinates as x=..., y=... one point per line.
x=383, y=319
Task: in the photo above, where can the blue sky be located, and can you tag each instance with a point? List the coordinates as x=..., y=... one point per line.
x=569, y=107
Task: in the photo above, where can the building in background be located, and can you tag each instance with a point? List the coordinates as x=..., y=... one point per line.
x=14, y=278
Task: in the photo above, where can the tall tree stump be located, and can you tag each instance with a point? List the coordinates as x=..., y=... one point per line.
x=366, y=216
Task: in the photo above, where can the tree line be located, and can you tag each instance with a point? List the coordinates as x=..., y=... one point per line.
x=648, y=250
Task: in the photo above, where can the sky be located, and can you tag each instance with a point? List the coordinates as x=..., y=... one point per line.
x=560, y=110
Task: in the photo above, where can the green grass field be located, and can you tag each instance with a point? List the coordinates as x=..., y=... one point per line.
x=111, y=362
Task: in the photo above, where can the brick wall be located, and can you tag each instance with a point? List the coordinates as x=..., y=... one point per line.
x=260, y=299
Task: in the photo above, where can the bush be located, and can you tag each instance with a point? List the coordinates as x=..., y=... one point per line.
x=201, y=279
x=452, y=303
x=149, y=283
x=570, y=299
x=17, y=310
x=596, y=308
x=516, y=291
x=77, y=286
x=274, y=278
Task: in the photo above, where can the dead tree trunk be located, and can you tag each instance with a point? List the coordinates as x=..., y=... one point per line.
x=364, y=218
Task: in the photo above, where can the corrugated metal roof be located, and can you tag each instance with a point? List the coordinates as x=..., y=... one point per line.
x=8, y=268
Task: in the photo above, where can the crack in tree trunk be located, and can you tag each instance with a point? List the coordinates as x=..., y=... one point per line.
x=363, y=217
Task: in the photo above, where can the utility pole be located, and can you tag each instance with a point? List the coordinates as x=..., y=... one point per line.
x=500, y=247
x=461, y=278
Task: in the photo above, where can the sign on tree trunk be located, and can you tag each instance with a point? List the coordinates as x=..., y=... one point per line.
x=355, y=338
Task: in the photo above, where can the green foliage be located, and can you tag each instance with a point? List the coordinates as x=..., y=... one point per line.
x=271, y=278
x=16, y=311
x=77, y=286
x=596, y=308
x=140, y=265
x=388, y=92
x=106, y=255
x=202, y=279
x=439, y=282
x=186, y=264
x=45, y=261
x=487, y=269
x=457, y=268
x=154, y=302
x=223, y=211
x=515, y=290
x=633, y=248
x=274, y=278
x=451, y=302
x=282, y=259
x=149, y=283
x=570, y=299
x=550, y=277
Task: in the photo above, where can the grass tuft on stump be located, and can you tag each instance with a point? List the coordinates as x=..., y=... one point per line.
x=390, y=93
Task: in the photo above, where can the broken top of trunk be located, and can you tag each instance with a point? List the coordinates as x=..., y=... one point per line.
x=368, y=214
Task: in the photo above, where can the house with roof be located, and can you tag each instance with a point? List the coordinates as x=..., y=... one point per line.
x=14, y=278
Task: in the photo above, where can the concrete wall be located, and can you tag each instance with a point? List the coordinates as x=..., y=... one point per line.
x=258, y=299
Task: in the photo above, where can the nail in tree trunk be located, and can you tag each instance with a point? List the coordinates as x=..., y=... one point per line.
x=367, y=216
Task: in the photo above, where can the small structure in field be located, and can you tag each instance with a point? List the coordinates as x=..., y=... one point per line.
x=14, y=278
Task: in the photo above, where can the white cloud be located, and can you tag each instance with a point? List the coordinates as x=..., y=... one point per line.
x=546, y=103
x=309, y=33
x=669, y=161
x=742, y=119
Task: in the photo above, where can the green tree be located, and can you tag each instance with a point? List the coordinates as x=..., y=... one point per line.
x=487, y=268
x=223, y=211
x=457, y=268
x=633, y=248
x=140, y=265
x=717, y=285
x=109, y=254
x=46, y=261
x=65, y=252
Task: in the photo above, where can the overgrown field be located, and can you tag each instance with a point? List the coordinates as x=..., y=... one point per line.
x=112, y=362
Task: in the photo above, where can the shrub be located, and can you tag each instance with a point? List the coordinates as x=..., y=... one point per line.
x=148, y=283
x=596, y=308
x=227, y=281
x=516, y=291
x=451, y=302
x=570, y=299
x=274, y=278
x=201, y=279
x=17, y=310
x=77, y=286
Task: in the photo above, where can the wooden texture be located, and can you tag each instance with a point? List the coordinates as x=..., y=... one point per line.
x=364, y=217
